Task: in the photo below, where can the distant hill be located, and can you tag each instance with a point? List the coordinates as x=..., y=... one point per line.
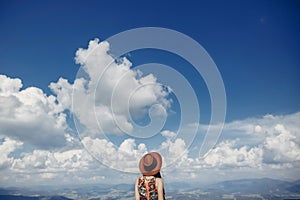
x=295, y=187
x=12, y=197
x=5, y=191
x=21, y=197
x=243, y=189
x=261, y=186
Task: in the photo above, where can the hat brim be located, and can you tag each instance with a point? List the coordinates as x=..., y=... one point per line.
x=155, y=169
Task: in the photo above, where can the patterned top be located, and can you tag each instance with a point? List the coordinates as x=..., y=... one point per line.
x=147, y=191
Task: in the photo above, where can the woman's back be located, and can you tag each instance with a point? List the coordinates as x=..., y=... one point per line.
x=150, y=186
x=147, y=188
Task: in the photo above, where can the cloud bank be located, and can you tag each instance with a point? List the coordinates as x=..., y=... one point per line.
x=38, y=145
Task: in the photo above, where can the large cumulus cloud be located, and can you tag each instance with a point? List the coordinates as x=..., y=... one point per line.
x=110, y=94
x=31, y=116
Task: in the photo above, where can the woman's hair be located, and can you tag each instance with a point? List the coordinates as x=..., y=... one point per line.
x=158, y=175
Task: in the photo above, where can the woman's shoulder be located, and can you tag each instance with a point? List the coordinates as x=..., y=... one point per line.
x=159, y=180
x=138, y=180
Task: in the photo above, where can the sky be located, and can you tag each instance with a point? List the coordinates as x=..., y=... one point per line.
x=224, y=77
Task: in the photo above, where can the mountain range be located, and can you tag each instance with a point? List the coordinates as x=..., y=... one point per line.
x=243, y=189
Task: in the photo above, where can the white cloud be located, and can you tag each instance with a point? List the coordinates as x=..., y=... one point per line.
x=227, y=155
x=257, y=129
x=124, y=158
x=168, y=134
x=112, y=92
x=63, y=90
x=258, y=141
x=6, y=148
x=255, y=147
x=277, y=135
x=9, y=85
x=38, y=166
x=30, y=116
x=229, y=159
x=43, y=161
x=281, y=146
x=174, y=149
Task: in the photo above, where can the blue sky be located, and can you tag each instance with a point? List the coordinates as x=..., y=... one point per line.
x=254, y=44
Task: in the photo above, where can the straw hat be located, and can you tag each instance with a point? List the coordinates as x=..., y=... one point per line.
x=150, y=164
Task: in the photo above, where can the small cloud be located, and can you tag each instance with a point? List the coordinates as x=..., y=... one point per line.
x=168, y=134
x=257, y=129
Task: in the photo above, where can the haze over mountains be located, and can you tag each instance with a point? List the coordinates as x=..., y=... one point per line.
x=235, y=189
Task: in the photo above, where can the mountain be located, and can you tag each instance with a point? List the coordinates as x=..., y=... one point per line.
x=260, y=186
x=9, y=197
x=21, y=197
x=243, y=189
x=295, y=187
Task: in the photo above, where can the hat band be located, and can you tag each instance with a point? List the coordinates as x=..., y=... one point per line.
x=152, y=166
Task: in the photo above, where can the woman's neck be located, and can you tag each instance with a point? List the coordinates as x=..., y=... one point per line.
x=148, y=178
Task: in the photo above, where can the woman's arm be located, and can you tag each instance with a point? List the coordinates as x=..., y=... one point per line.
x=160, y=188
x=136, y=191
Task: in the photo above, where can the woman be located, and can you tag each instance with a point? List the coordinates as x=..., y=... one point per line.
x=150, y=186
